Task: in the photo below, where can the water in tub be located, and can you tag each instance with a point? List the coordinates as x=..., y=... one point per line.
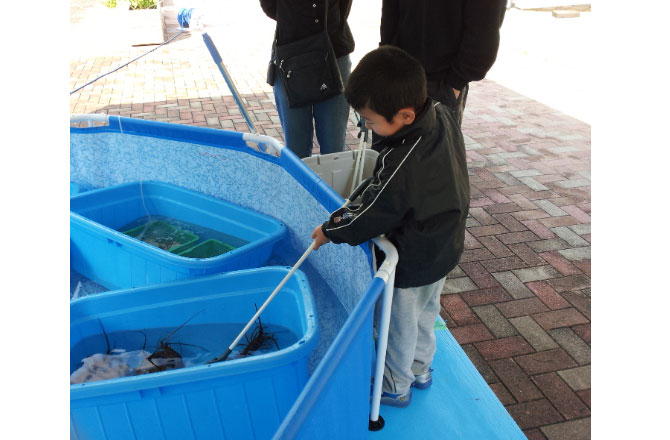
x=81, y=286
x=330, y=312
x=129, y=352
x=165, y=232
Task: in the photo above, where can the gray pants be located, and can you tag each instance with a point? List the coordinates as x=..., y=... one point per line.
x=411, y=342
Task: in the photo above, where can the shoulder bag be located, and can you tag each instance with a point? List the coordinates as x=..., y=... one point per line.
x=308, y=68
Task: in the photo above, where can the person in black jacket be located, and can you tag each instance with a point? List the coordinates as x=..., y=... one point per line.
x=419, y=197
x=297, y=19
x=456, y=41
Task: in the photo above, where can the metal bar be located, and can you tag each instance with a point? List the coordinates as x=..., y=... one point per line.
x=226, y=76
x=387, y=272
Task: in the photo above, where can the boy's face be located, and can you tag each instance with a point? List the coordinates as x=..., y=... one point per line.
x=377, y=123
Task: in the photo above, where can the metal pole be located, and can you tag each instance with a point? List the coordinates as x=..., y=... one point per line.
x=376, y=423
x=226, y=76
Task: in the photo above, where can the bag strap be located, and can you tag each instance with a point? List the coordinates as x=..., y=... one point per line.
x=274, y=40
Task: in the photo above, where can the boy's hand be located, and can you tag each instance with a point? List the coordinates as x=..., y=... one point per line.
x=319, y=238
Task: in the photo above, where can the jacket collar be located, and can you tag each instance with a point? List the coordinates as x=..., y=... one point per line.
x=423, y=123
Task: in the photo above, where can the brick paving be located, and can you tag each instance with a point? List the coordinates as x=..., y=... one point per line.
x=519, y=303
x=527, y=261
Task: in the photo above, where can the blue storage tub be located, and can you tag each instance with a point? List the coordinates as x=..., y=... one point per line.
x=115, y=260
x=243, y=398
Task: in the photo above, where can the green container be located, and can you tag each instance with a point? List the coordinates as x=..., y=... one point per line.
x=207, y=249
x=164, y=236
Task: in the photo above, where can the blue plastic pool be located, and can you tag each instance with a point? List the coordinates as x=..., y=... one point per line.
x=335, y=401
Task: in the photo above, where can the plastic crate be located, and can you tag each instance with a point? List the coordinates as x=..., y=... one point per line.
x=115, y=260
x=337, y=169
x=236, y=399
x=207, y=249
x=180, y=240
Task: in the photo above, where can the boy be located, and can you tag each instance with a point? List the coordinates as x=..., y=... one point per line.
x=419, y=197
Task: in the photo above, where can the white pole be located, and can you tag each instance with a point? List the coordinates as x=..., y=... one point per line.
x=229, y=350
x=354, y=176
x=361, y=153
x=387, y=300
x=265, y=304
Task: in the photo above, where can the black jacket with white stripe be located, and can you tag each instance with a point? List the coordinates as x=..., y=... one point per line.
x=419, y=197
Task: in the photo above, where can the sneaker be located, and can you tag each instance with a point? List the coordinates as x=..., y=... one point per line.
x=423, y=381
x=397, y=400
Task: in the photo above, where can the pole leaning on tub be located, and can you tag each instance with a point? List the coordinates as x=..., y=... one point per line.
x=359, y=160
x=226, y=76
x=361, y=187
x=216, y=56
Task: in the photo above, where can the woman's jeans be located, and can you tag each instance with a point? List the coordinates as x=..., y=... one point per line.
x=329, y=117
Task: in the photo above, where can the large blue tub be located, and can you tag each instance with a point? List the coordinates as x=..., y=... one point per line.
x=100, y=252
x=244, y=398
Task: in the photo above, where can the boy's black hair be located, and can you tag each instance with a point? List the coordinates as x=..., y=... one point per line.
x=386, y=80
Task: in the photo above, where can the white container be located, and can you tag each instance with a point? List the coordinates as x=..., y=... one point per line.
x=337, y=169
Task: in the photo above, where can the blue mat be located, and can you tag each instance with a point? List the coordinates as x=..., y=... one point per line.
x=459, y=405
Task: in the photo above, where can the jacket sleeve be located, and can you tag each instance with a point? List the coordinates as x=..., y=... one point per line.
x=482, y=20
x=270, y=8
x=382, y=209
x=389, y=22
